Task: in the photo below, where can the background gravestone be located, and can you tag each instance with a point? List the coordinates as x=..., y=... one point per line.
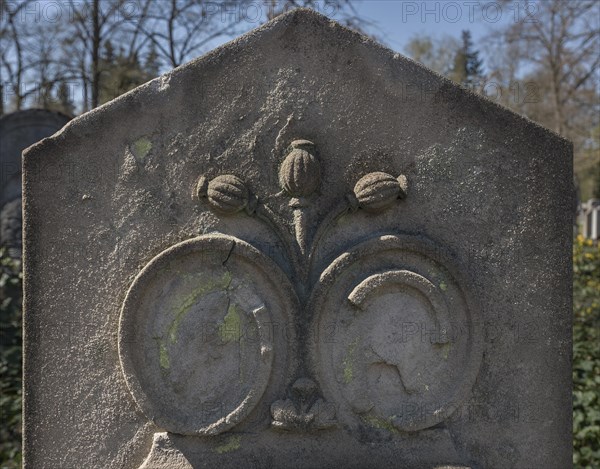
x=19, y=130
x=300, y=250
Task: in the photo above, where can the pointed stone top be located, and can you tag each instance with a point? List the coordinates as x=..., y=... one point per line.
x=293, y=39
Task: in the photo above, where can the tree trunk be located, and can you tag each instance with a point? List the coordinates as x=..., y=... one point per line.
x=172, y=34
x=556, y=91
x=95, y=53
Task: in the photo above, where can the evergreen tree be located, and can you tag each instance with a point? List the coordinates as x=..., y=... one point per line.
x=65, y=103
x=468, y=67
x=437, y=54
x=109, y=52
x=152, y=64
x=474, y=65
x=121, y=72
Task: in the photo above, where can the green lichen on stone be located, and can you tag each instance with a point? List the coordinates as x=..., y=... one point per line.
x=443, y=286
x=348, y=362
x=206, y=286
x=446, y=348
x=380, y=423
x=342, y=220
x=230, y=329
x=140, y=148
x=233, y=444
x=163, y=356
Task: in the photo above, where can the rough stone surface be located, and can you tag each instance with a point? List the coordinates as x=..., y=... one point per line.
x=404, y=300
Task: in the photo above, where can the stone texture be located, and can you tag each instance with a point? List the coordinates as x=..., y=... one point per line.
x=299, y=250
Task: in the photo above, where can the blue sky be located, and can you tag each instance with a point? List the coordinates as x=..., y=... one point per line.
x=399, y=20
x=395, y=22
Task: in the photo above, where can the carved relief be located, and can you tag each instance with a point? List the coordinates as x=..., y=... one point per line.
x=304, y=410
x=227, y=194
x=299, y=178
x=300, y=172
x=196, y=321
x=400, y=347
x=377, y=191
x=394, y=302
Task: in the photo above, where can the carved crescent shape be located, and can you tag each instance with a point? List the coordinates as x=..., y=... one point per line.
x=402, y=279
x=353, y=319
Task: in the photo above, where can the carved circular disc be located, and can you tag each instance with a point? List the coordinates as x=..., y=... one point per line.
x=397, y=341
x=195, y=338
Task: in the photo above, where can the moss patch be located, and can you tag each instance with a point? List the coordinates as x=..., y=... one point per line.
x=348, y=362
x=164, y=356
x=140, y=148
x=446, y=348
x=184, y=307
x=230, y=329
x=380, y=423
x=209, y=286
x=232, y=444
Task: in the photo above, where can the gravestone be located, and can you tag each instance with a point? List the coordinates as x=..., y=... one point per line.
x=299, y=250
x=19, y=130
x=590, y=219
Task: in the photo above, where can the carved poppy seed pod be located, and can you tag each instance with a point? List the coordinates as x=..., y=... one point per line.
x=227, y=194
x=300, y=173
x=376, y=191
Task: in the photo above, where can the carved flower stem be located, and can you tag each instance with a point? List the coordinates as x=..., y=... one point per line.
x=265, y=214
x=301, y=220
x=300, y=177
x=374, y=192
x=341, y=209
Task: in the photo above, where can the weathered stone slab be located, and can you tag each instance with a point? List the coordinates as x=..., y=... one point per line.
x=300, y=250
